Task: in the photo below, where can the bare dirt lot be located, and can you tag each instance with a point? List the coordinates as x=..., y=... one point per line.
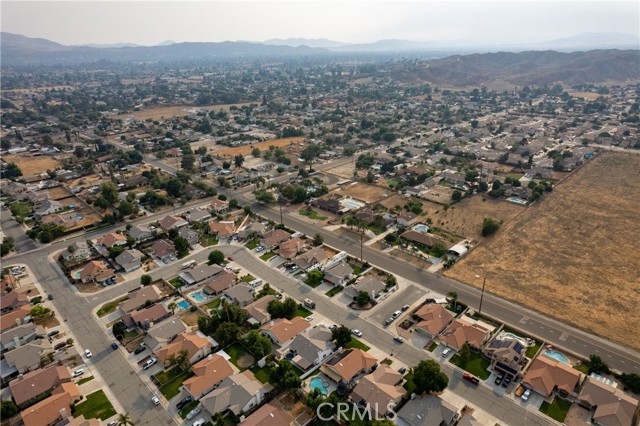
x=32, y=165
x=571, y=255
x=344, y=171
x=159, y=113
x=587, y=95
x=363, y=191
x=263, y=146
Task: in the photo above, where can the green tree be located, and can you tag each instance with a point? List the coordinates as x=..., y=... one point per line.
x=216, y=257
x=119, y=330
x=227, y=333
x=597, y=365
x=456, y=195
x=125, y=420
x=314, y=278
x=284, y=377
x=238, y=160
x=39, y=311
x=265, y=197
x=6, y=246
x=146, y=279
x=126, y=208
x=255, y=152
x=188, y=162
x=101, y=202
x=109, y=192
x=631, y=381
x=258, y=345
x=489, y=226
x=182, y=246
x=427, y=377
x=318, y=240
x=8, y=409
x=174, y=187
x=464, y=353
x=172, y=307
x=363, y=298
x=341, y=336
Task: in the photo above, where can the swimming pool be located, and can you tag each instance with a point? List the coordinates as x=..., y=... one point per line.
x=557, y=356
x=517, y=200
x=183, y=304
x=422, y=228
x=198, y=296
x=317, y=383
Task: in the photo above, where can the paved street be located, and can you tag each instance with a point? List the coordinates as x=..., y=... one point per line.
x=11, y=228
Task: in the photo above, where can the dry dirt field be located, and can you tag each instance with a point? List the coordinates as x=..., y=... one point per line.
x=38, y=89
x=246, y=149
x=572, y=255
x=159, y=113
x=587, y=95
x=32, y=165
x=344, y=171
x=363, y=191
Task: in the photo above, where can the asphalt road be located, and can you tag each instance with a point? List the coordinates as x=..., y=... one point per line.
x=11, y=228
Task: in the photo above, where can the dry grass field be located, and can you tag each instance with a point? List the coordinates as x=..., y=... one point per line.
x=37, y=89
x=159, y=113
x=344, y=171
x=32, y=165
x=246, y=149
x=573, y=255
x=590, y=96
x=363, y=191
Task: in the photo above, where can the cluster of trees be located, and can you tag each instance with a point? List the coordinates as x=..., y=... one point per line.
x=314, y=278
x=537, y=189
x=224, y=324
x=6, y=246
x=10, y=171
x=265, y=197
x=259, y=345
x=490, y=226
x=286, y=309
x=46, y=232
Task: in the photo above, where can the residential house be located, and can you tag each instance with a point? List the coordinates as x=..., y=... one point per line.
x=465, y=330
x=379, y=390
x=428, y=410
x=97, y=271
x=507, y=356
x=219, y=206
x=290, y=248
x=48, y=207
x=222, y=229
x=199, y=273
x=67, y=222
x=433, y=319
x=338, y=274
x=199, y=216
x=311, y=347
x=208, y=373
x=164, y=250
x=172, y=222
x=370, y=285
x=27, y=357
x=145, y=318
x=54, y=408
x=315, y=256
x=272, y=238
x=256, y=228
x=239, y=393
x=162, y=333
x=282, y=331
x=197, y=345
x=609, y=406
x=13, y=189
x=405, y=218
x=76, y=253
x=130, y=260
x=15, y=318
x=112, y=239
x=546, y=375
x=7, y=284
x=28, y=387
x=269, y=415
x=13, y=300
x=140, y=233
x=219, y=283
x=257, y=310
x=141, y=297
x=240, y=295
x=20, y=335
x=330, y=205
x=428, y=240
x=192, y=236
x=348, y=364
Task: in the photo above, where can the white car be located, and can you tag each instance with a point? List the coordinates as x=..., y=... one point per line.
x=112, y=423
x=357, y=333
x=446, y=351
x=88, y=353
x=309, y=318
x=193, y=413
x=155, y=400
x=199, y=422
x=149, y=363
x=525, y=395
x=79, y=372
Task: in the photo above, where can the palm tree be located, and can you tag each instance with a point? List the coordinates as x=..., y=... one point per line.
x=125, y=420
x=172, y=306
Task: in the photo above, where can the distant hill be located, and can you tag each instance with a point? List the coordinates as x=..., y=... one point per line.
x=532, y=68
x=593, y=41
x=311, y=42
x=19, y=50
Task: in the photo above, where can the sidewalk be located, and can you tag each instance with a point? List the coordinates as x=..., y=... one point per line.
x=480, y=415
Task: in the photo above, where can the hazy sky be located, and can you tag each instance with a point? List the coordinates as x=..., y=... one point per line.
x=151, y=22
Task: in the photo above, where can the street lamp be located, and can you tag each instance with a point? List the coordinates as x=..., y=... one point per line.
x=484, y=282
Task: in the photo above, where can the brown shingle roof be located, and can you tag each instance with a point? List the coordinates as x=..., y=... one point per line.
x=283, y=329
x=380, y=387
x=461, y=331
x=37, y=382
x=614, y=407
x=191, y=342
x=346, y=367
x=545, y=373
x=111, y=238
x=208, y=372
x=268, y=415
x=48, y=410
x=434, y=318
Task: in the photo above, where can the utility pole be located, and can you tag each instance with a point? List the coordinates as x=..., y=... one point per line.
x=484, y=282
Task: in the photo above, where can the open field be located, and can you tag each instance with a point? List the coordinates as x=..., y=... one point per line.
x=344, y=171
x=363, y=192
x=465, y=218
x=159, y=113
x=572, y=255
x=263, y=146
x=32, y=165
x=587, y=95
x=59, y=192
x=37, y=89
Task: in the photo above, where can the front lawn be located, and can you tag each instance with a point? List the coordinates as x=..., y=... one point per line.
x=557, y=410
x=408, y=385
x=96, y=406
x=109, y=307
x=357, y=270
x=210, y=240
x=533, y=350
x=172, y=388
x=311, y=214
x=476, y=365
x=355, y=343
x=337, y=289
x=84, y=380
x=268, y=255
x=251, y=244
x=261, y=373
x=433, y=347
x=247, y=278
x=239, y=356
x=213, y=304
x=176, y=282
x=301, y=311
x=583, y=368
x=20, y=210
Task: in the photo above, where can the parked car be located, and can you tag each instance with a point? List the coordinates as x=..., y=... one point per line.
x=293, y=268
x=402, y=370
x=405, y=308
x=333, y=327
x=155, y=400
x=193, y=413
x=396, y=314
x=506, y=381
x=309, y=318
x=113, y=423
x=141, y=348
x=151, y=361
x=184, y=402
x=199, y=422
x=53, y=333
x=60, y=345
x=88, y=353
x=50, y=297
x=471, y=378
x=79, y=372
x=499, y=379
x=398, y=339
x=230, y=258
x=357, y=333
x=526, y=394
x=446, y=351
x=114, y=346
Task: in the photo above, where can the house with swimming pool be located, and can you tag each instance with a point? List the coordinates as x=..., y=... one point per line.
x=379, y=389
x=466, y=330
x=309, y=348
x=547, y=375
x=348, y=365
x=508, y=356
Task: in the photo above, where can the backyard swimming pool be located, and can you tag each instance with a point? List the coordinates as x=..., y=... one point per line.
x=183, y=304
x=198, y=296
x=351, y=203
x=422, y=228
x=317, y=383
x=557, y=356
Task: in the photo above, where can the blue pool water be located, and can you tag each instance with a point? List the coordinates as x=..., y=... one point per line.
x=421, y=228
x=183, y=304
x=351, y=204
x=77, y=216
x=198, y=296
x=557, y=356
x=317, y=383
